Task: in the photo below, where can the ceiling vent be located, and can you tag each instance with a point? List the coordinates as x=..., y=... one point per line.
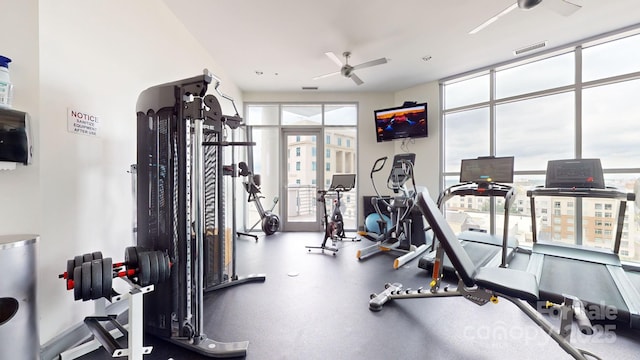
x=525, y=49
x=309, y=88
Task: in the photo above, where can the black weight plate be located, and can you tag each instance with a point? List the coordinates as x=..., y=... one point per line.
x=131, y=257
x=167, y=267
x=70, y=266
x=162, y=267
x=167, y=264
x=153, y=260
x=156, y=255
x=86, y=281
x=144, y=269
x=97, y=255
x=78, y=260
x=87, y=257
x=107, y=277
x=77, y=283
x=96, y=279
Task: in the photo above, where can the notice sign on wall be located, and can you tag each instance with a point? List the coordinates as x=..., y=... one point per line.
x=81, y=122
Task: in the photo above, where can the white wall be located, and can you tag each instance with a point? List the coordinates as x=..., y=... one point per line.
x=97, y=56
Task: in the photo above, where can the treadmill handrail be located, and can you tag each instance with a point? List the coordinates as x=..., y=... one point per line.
x=606, y=193
x=474, y=189
x=490, y=189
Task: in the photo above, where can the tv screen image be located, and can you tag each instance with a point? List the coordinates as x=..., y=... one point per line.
x=401, y=122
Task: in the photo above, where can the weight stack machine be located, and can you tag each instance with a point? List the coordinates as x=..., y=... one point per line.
x=181, y=209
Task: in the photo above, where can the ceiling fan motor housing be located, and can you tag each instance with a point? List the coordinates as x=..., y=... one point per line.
x=528, y=4
x=346, y=70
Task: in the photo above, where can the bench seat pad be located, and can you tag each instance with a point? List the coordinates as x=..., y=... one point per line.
x=510, y=282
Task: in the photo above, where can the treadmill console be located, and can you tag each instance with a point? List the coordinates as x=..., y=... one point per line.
x=575, y=173
x=488, y=169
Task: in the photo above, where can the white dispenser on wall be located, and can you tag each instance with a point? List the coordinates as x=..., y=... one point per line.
x=6, y=88
x=15, y=142
x=15, y=145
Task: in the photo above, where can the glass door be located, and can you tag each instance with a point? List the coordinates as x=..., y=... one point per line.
x=303, y=176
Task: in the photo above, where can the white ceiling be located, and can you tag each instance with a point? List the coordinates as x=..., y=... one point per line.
x=286, y=39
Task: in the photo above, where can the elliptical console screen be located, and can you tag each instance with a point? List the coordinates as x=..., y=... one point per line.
x=398, y=175
x=575, y=173
x=487, y=170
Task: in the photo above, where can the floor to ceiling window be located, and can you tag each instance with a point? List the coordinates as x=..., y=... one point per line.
x=299, y=147
x=580, y=102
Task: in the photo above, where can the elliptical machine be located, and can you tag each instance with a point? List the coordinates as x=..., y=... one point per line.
x=405, y=233
x=334, y=226
x=270, y=221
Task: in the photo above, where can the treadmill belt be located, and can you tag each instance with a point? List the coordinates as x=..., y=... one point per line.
x=634, y=276
x=480, y=253
x=589, y=282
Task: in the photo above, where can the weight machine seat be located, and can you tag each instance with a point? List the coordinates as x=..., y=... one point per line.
x=509, y=282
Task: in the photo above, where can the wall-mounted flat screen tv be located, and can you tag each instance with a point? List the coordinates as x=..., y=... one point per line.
x=401, y=122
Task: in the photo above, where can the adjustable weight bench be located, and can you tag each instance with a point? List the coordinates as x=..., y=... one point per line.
x=487, y=284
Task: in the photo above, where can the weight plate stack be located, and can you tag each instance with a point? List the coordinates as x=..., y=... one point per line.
x=154, y=268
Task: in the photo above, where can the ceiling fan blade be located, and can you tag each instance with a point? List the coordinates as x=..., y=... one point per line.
x=371, y=63
x=327, y=75
x=562, y=7
x=493, y=19
x=356, y=79
x=334, y=58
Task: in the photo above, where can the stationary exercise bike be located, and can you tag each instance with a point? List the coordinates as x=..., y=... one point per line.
x=270, y=221
x=334, y=225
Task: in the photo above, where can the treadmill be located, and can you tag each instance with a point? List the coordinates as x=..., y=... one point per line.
x=593, y=275
x=486, y=177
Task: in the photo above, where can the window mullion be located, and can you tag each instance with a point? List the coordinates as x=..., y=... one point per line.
x=578, y=139
x=492, y=143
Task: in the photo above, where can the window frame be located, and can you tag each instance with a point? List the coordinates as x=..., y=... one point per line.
x=577, y=87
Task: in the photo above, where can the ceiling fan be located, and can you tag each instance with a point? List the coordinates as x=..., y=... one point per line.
x=347, y=70
x=562, y=7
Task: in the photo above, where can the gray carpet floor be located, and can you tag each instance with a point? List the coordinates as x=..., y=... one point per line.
x=315, y=306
